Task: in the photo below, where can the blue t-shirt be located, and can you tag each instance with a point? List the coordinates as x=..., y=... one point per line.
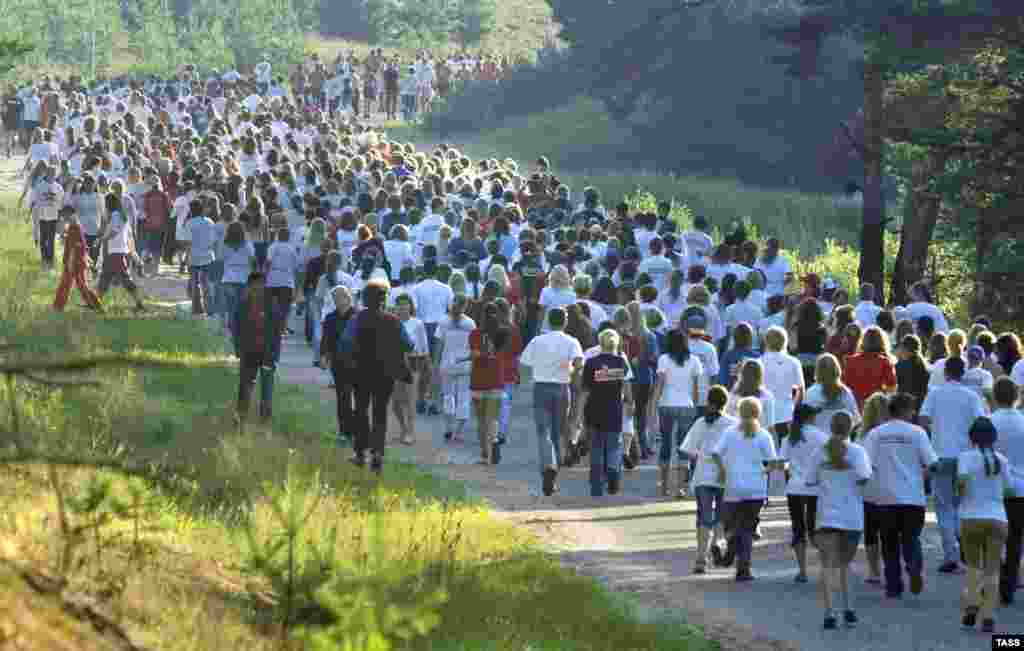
x=729, y=368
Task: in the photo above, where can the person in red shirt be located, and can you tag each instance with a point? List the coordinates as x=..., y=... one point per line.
x=510, y=354
x=156, y=209
x=872, y=368
x=487, y=378
x=76, y=259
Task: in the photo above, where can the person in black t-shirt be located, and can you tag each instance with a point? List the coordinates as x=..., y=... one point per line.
x=605, y=390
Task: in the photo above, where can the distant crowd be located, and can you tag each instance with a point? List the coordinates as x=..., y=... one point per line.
x=423, y=283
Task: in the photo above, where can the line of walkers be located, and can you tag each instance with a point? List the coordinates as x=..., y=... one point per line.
x=425, y=280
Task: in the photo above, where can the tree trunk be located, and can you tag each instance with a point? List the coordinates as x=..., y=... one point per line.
x=919, y=218
x=872, y=240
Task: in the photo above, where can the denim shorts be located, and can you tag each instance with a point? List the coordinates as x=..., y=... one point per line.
x=709, y=505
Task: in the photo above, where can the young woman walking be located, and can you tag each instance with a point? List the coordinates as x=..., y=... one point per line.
x=876, y=413
x=487, y=379
x=982, y=482
x=744, y=456
x=676, y=394
x=403, y=403
x=453, y=355
x=802, y=442
x=708, y=488
x=839, y=470
x=76, y=260
x=828, y=394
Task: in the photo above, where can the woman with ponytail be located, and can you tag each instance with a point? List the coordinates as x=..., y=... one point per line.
x=744, y=456
x=803, y=440
x=839, y=471
x=876, y=412
x=983, y=481
x=828, y=394
x=702, y=438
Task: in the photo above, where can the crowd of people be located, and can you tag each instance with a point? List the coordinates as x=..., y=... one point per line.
x=375, y=86
x=426, y=282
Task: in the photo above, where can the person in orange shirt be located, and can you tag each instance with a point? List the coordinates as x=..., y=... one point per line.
x=871, y=369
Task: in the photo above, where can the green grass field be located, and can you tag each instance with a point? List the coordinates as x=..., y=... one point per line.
x=176, y=508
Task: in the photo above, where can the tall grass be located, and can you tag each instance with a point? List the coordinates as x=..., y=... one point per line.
x=418, y=563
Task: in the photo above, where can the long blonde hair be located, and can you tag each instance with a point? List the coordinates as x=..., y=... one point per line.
x=835, y=449
x=829, y=375
x=876, y=412
x=749, y=410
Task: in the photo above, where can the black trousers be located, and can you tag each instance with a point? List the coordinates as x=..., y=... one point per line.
x=47, y=235
x=344, y=392
x=374, y=393
x=900, y=532
x=1009, y=576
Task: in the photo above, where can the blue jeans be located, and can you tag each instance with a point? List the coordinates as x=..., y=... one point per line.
x=947, y=507
x=215, y=272
x=550, y=410
x=605, y=459
x=675, y=423
x=313, y=308
x=506, y=410
x=709, y=505
x=231, y=294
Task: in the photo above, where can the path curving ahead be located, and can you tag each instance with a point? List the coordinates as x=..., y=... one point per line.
x=643, y=546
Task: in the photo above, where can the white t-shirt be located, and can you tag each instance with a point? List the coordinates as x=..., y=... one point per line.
x=706, y=352
x=767, y=406
x=433, y=298
x=551, y=298
x=120, y=241
x=846, y=401
x=1010, y=442
x=781, y=373
x=1017, y=373
x=454, y=336
x=679, y=380
x=659, y=268
x=743, y=312
x=700, y=441
x=237, y=263
x=800, y=457
x=952, y=408
x=775, y=274
x=551, y=355
x=866, y=313
x=899, y=452
x=283, y=260
x=745, y=475
x=399, y=255
x=918, y=310
x=428, y=231
x=983, y=497
x=698, y=244
x=840, y=497
x=978, y=380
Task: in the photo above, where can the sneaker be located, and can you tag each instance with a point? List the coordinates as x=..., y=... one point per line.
x=800, y=578
x=716, y=555
x=496, y=453
x=627, y=462
x=951, y=567
x=377, y=464
x=448, y=436
x=433, y=411
x=502, y=440
x=830, y=623
x=744, y=576
x=421, y=407
x=850, y=618
x=757, y=533
x=549, y=481
x=916, y=584
x=970, y=617
x=988, y=626
x=359, y=460
x=699, y=568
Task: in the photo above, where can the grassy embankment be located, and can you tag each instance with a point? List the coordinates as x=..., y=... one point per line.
x=167, y=523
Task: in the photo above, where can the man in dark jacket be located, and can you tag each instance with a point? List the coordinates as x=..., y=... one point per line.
x=377, y=344
x=253, y=341
x=334, y=326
